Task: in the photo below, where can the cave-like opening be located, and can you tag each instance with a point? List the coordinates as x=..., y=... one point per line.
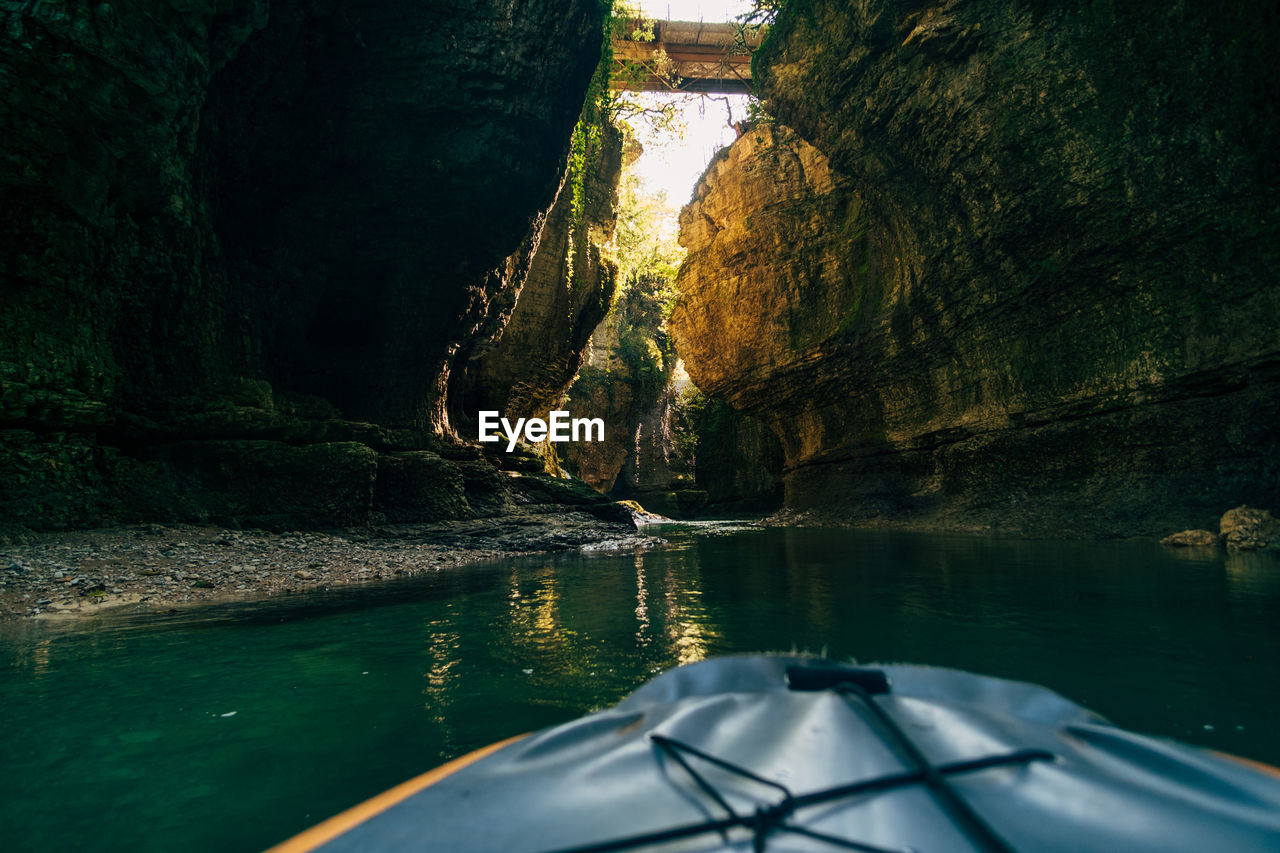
x=680, y=90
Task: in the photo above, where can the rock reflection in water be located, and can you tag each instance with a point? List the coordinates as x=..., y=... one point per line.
x=376, y=685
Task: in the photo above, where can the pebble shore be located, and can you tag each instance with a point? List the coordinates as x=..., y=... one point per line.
x=161, y=566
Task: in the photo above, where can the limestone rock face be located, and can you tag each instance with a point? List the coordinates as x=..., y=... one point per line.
x=1069, y=218
x=776, y=273
x=1246, y=529
x=260, y=222
x=775, y=283
x=659, y=467
x=738, y=460
x=605, y=388
x=687, y=455
x=565, y=295
x=378, y=165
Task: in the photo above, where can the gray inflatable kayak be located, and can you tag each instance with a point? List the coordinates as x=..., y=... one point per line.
x=796, y=754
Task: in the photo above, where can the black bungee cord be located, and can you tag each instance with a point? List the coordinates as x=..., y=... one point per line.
x=766, y=820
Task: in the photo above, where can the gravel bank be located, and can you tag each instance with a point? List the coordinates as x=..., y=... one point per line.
x=155, y=566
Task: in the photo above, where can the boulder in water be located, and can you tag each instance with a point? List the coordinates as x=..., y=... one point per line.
x=1247, y=529
x=1189, y=538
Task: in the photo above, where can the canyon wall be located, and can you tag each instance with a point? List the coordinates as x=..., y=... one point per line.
x=244, y=244
x=672, y=449
x=567, y=292
x=1039, y=293
x=621, y=379
x=776, y=274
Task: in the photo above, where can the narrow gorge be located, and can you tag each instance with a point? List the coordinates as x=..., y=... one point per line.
x=978, y=264
x=562, y=394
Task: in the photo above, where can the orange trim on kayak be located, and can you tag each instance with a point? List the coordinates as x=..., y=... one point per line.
x=1250, y=763
x=326, y=831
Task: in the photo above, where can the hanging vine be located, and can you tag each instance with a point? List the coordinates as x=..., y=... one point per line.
x=584, y=146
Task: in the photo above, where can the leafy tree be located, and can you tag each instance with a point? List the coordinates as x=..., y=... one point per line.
x=645, y=242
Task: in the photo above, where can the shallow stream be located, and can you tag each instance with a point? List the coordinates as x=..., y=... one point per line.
x=230, y=727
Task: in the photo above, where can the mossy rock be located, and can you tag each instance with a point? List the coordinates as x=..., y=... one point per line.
x=420, y=486
x=690, y=502
x=543, y=489
x=268, y=484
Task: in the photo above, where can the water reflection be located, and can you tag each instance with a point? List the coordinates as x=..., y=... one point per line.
x=443, y=648
x=642, y=605
x=690, y=628
x=378, y=684
x=812, y=585
x=547, y=630
x=32, y=657
x=1250, y=575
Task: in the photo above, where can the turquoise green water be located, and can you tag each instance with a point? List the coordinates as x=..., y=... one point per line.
x=231, y=728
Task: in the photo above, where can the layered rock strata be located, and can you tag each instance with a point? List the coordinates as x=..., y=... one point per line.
x=606, y=387
x=243, y=244
x=567, y=292
x=659, y=468
x=738, y=460
x=776, y=275
x=1073, y=210
x=1028, y=282
x=690, y=455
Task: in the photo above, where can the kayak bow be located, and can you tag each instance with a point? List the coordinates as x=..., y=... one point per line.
x=797, y=754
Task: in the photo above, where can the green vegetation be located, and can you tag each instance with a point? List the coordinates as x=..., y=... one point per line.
x=633, y=25
x=763, y=12
x=637, y=373
x=691, y=413
x=645, y=243
x=642, y=354
x=604, y=106
x=648, y=259
x=584, y=145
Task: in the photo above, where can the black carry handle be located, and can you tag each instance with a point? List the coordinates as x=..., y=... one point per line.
x=827, y=676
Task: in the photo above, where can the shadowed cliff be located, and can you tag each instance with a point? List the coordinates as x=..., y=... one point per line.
x=567, y=292
x=243, y=246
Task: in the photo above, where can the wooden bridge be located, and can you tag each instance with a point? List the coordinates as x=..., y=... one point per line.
x=684, y=56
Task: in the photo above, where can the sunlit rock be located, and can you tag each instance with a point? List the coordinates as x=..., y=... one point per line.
x=1055, y=309
x=525, y=370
